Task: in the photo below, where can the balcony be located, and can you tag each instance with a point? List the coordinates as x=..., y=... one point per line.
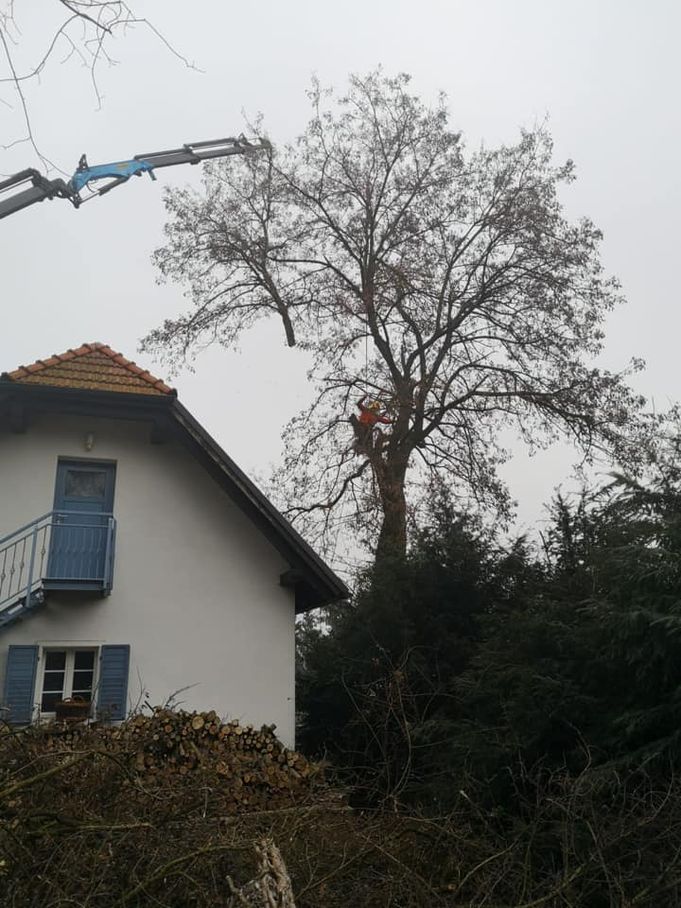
x=62, y=550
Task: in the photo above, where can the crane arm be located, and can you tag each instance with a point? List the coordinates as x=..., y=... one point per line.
x=29, y=186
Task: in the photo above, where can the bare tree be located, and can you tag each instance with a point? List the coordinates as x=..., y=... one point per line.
x=70, y=29
x=447, y=286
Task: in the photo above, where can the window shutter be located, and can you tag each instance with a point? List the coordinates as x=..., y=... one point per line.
x=113, y=681
x=20, y=683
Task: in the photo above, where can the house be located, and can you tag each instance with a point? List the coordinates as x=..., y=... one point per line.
x=136, y=559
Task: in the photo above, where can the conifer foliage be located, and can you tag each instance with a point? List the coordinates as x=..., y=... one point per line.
x=468, y=659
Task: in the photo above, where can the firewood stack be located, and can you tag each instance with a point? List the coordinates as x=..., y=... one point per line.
x=254, y=769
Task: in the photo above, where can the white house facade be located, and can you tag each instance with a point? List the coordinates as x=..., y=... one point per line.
x=137, y=562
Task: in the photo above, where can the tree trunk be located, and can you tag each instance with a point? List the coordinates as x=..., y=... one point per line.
x=389, y=460
x=392, y=539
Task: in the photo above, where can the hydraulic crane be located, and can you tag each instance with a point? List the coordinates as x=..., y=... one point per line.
x=30, y=186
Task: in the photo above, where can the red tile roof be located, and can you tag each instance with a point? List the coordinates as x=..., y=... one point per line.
x=92, y=367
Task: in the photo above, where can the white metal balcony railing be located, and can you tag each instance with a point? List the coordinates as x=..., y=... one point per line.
x=62, y=549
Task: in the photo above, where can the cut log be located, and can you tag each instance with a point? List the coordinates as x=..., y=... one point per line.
x=272, y=886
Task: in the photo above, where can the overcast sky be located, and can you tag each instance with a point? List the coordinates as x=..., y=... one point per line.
x=605, y=72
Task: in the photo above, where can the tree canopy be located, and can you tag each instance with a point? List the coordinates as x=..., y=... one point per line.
x=446, y=285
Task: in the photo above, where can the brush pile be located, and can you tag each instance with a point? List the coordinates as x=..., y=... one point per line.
x=182, y=809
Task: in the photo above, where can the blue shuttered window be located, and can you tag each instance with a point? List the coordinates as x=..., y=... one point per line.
x=20, y=683
x=113, y=681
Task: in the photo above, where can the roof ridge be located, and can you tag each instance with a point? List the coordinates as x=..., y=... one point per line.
x=40, y=365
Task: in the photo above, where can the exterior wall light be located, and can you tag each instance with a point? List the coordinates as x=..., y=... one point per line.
x=89, y=441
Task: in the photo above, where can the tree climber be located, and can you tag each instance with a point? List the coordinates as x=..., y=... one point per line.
x=364, y=424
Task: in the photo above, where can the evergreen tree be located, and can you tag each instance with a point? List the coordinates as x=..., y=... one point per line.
x=589, y=668
x=376, y=686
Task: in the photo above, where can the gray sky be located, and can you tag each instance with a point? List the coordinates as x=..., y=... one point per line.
x=605, y=72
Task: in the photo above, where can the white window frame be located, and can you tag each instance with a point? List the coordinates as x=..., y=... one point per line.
x=67, y=691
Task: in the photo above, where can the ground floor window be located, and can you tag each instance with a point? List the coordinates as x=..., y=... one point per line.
x=66, y=673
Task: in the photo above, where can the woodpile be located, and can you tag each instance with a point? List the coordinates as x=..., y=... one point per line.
x=253, y=768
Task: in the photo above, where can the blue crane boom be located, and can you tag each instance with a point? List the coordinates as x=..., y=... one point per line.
x=30, y=186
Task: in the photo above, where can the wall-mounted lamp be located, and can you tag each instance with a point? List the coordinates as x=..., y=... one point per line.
x=89, y=441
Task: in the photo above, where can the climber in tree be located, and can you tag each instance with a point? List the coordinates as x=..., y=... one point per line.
x=369, y=415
